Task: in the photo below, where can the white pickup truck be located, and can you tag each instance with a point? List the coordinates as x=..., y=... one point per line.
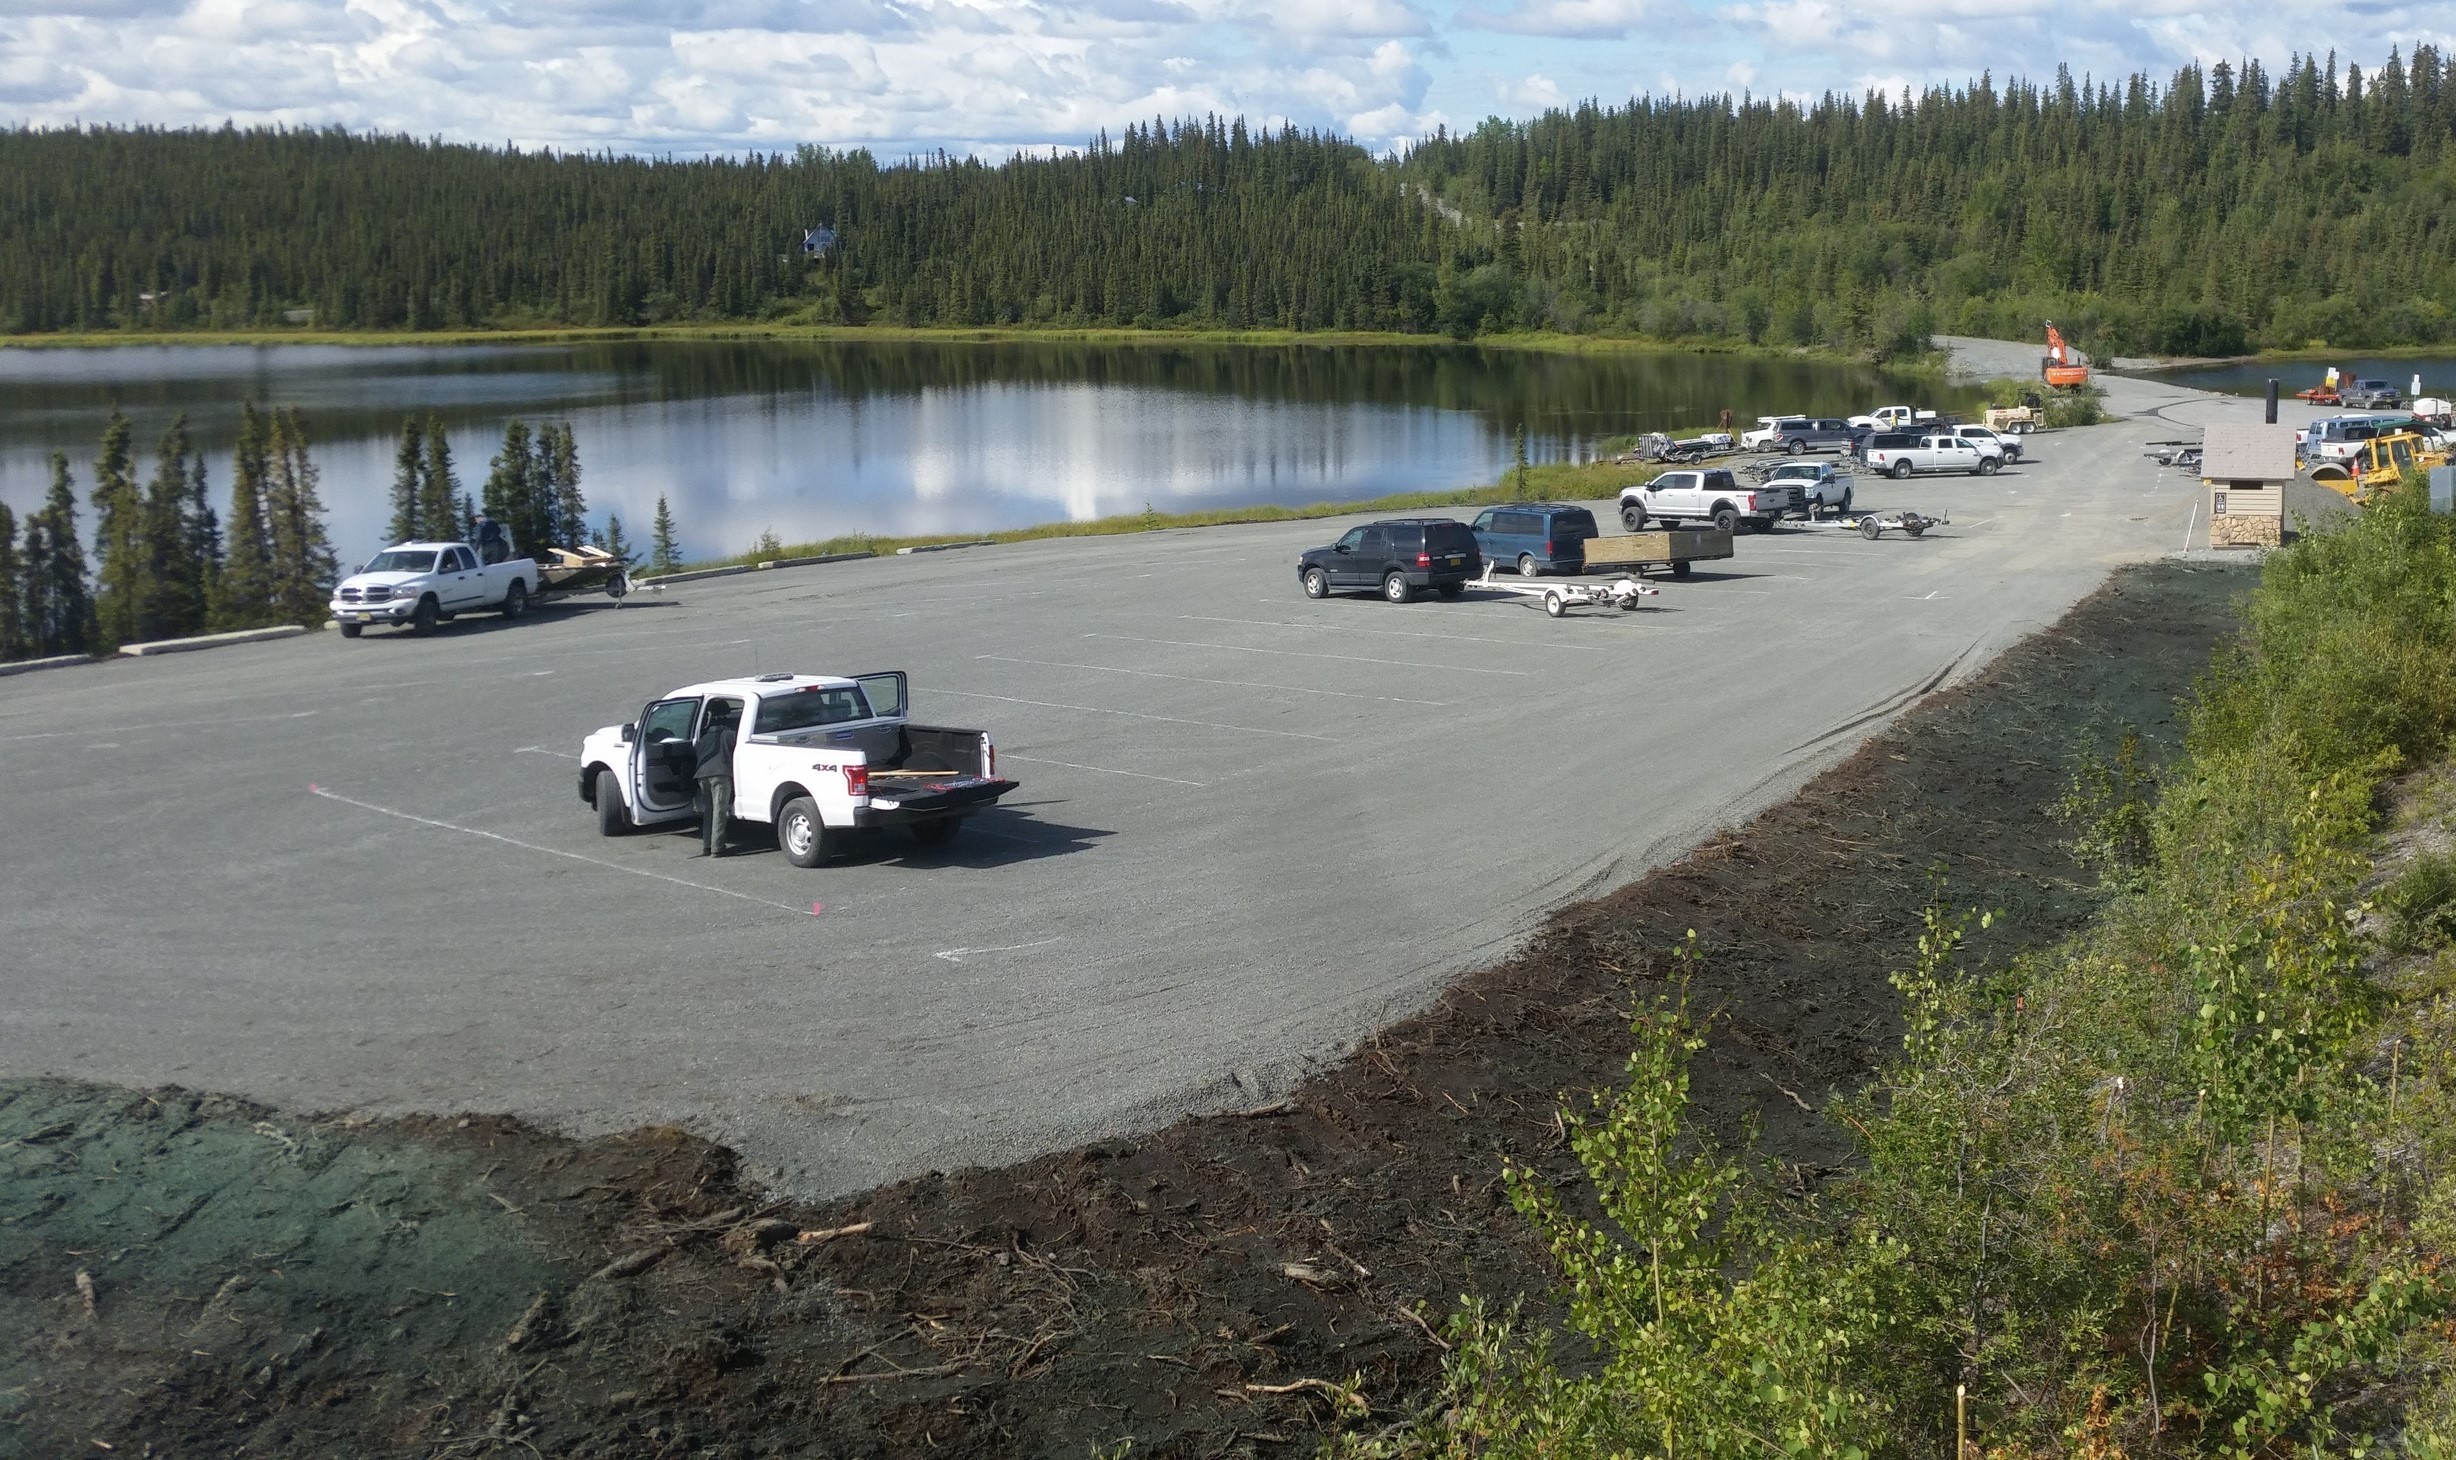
x=816, y=756
x=1712, y=495
x=422, y=584
x=1898, y=455
x=1893, y=418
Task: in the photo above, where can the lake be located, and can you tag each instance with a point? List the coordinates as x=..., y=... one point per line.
x=2251, y=378
x=812, y=439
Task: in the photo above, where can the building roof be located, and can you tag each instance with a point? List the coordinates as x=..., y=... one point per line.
x=2253, y=452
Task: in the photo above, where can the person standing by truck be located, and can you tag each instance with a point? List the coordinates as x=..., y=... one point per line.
x=713, y=754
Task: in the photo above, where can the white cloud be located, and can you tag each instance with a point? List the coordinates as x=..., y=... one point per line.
x=996, y=76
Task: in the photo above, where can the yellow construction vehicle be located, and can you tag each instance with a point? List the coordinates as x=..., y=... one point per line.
x=2376, y=464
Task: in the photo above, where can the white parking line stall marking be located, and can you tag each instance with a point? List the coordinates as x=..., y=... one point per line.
x=541, y=750
x=1272, y=623
x=1132, y=715
x=958, y=955
x=1102, y=769
x=510, y=841
x=1345, y=694
x=1303, y=654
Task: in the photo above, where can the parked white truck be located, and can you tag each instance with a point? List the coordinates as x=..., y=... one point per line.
x=1898, y=455
x=422, y=584
x=816, y=756
x=1712, y=495
x=1893, y=418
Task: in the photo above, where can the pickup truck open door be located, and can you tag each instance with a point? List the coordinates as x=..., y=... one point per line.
x=662, y=760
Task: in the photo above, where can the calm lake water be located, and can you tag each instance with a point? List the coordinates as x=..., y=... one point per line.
x=2438, y=374
x=812, y=440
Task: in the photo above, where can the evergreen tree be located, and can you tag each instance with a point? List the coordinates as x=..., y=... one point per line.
x=59, y=606
x=408, y=482
x=204, y=543
x=441, y=511
x=247, y=572
x=613, y=541
x=304, y=568
x=121, y=577
x=664, y=554
x=173, y=602
x=560, y=456
x=514, y=495
x=12, y=590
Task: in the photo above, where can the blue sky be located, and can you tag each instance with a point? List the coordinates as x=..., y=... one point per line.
x=989, y=76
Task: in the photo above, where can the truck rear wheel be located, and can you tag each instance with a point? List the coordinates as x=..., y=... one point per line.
x=613, y=818
x=801, y=835
x=1901, y=470
x=1987, y=466
x=516, y=599
x=1397, y=589
x=1727, y=519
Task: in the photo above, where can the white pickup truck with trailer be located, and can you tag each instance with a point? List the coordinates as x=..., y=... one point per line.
x=1933, y=452
x=1713, y=495
x=422, y=584
x=1894, y=418
x=816, y=756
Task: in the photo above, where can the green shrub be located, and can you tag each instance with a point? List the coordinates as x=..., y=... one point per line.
x=2420, y=905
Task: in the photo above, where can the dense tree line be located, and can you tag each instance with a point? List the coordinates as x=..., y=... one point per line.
x=2217, y=209
x=165, y=565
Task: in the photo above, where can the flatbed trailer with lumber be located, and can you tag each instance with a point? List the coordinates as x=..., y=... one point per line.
x=1668, y=547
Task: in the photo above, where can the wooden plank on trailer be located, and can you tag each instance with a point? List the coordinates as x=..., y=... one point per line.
x=1662, y=545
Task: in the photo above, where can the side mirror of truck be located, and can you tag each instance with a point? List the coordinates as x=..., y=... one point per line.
x=630, y=732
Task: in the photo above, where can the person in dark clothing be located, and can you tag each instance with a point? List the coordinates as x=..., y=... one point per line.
x=713, y=751
x=492, y=545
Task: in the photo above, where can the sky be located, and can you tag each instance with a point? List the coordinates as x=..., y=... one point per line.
x=691, y=77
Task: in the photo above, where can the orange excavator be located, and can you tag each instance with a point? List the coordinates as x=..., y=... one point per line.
x=2062, y=367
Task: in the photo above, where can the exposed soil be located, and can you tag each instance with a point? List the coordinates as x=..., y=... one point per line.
x=194, y=1276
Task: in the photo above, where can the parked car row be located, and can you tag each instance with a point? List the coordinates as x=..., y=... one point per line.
x=1893, y=427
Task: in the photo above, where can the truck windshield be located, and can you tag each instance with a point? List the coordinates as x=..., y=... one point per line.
x=402, y=563
x=818, y=705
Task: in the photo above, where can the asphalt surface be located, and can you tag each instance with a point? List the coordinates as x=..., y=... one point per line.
x=356, y=875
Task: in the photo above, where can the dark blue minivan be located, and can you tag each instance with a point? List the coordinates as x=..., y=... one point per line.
x=1535, y=537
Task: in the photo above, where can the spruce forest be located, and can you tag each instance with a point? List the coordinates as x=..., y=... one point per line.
x=2211, y=212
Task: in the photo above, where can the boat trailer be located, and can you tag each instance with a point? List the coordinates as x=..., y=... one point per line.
x=1872, y=526
x=1559, y=598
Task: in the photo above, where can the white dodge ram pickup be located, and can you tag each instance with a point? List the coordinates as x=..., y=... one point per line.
x=816, y=756
x=422, y=584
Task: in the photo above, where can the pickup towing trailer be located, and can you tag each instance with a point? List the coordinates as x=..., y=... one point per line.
x=815, y=756
x=422, y=584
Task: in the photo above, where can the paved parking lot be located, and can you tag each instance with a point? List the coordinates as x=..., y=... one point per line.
x=356, y=875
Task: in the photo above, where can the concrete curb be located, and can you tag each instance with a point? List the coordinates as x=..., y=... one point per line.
x=210, y=641
x=699, y=573
x=56, y=661
x=944, y=547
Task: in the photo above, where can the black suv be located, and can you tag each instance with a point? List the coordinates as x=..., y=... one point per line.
x=1394, y=558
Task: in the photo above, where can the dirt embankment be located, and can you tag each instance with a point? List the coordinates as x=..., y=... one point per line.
x=187, y=1275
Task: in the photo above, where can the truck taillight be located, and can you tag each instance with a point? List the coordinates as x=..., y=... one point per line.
x=856, y=780
x=1424, y=560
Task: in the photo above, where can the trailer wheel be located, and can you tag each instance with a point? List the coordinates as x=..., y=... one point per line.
x=937, y=831
x=1317, y=583
x=516, y=599
x=1869, y=529
x=1633, y=516
x=350, y=630
x=613, y=819
x=423, y=618
x=1553, y=604
x=1681, y=569
x=1396, y=588
x=618, y=585
x=801, y=835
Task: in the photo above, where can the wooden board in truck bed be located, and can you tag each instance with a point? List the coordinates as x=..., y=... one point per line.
x=1668, y=545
